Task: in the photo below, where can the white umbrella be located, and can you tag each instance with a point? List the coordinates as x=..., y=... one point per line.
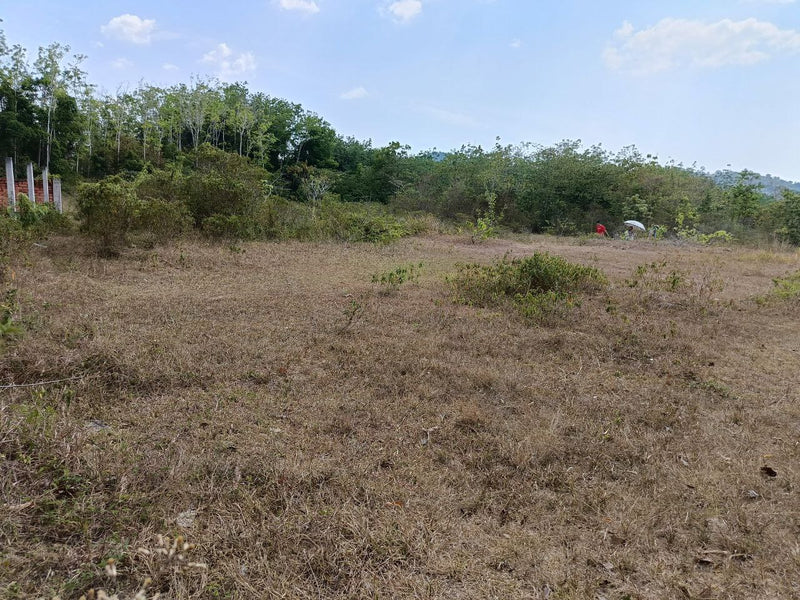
x=636, y=224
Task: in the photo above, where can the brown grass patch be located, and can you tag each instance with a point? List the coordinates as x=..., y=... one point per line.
x=318, y=439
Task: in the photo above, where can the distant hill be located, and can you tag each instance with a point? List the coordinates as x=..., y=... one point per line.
x=770, y=185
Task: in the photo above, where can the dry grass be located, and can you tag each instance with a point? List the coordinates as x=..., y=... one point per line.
x=316, y=438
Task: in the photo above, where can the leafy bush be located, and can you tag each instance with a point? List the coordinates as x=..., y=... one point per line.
x=222, y=184
x=107, y=210
x=706, y=239
x=392, y=280
x=346, y=221
x=40, y=219
x=539, y=285
x=787, y=288
x=162, y=220
x=228, y=227
x=488, y=222
x=114, y=209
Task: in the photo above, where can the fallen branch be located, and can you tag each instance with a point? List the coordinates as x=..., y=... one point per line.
x=11, y=386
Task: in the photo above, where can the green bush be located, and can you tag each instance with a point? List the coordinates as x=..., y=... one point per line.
x=392, y=280
x=788, y=287
x=538, y=286
x=162, y=220
x=487, y=224
x=345, y=221
x=40, y=219
x=114, y=211
x=107, y=210
x=222, y=183
x=229, y=227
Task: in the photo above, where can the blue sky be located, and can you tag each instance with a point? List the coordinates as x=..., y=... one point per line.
x=712, y=83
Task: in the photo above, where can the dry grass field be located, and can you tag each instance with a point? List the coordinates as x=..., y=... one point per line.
x=268, y=422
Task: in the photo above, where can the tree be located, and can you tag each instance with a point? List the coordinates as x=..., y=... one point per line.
x=55, y=80
x=147, y=101
x=314, y=187
x=791, y=210
x=196, y=104
x=315, y=140
x=745, y=199
x=19, y=114
x=239, y=115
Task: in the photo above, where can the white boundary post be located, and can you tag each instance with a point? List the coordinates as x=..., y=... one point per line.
x=57, y=193
x=12, y=192
x=46, y=191
x=31, y=190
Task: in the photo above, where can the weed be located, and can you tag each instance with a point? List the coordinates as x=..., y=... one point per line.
x=9, y=328
x=392, y=280
x=655, y=276
x=486, y=225
x=720, y=237
x=352, y=313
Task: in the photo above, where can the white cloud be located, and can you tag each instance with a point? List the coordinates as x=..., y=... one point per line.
x=228, y=65
x=405, y=10
x=130, y=28
x=516, y=43
x=354, y=94
x=680, y=43
x=307, y=6
x=169, y=67
x=122, y=64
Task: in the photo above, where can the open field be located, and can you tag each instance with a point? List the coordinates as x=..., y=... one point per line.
x=316, y=436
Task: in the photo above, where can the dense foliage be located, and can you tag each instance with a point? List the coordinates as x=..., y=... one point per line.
x=234, y=160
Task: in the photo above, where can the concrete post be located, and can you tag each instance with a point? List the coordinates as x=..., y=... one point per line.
x=31, y=190
x=45, y=190
x=57, y=194
x=12, y=191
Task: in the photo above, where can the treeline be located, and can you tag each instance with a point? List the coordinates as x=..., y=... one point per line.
x=51, y=115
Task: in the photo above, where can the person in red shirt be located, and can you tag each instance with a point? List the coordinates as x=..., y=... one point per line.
x=601, y=229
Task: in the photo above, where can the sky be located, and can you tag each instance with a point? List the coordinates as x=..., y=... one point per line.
x=713, y=84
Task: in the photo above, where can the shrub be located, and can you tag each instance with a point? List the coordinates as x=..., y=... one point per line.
x=376, y=226
x=108, y=210
x=223, y=184
x=347, y=221
x=656, y=276
x=392, y=280
x=486, y=224
x=229, y=227
x=40, y=219
x=162, y=220
x=538, y=285
x=788, y=287
x=706, y=239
